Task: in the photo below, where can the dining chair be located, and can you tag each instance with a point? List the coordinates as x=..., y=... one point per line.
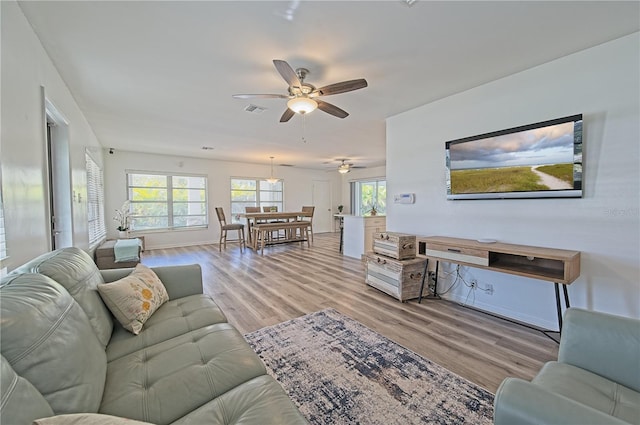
x=250, y=223
x=224, y=227
x=273, y=208
x=308, y=212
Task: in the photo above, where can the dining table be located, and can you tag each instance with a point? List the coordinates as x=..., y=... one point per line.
x=269, y=217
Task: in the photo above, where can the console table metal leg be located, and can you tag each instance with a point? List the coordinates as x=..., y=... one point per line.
x=558, y=307
x=424, y=276
x=435, y=295
x=566, y=296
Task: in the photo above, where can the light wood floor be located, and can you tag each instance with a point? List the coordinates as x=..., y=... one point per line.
x=293, y=280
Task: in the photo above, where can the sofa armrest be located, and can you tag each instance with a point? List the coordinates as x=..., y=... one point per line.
x=523, y=403
x=180, y=281
x=604, y=344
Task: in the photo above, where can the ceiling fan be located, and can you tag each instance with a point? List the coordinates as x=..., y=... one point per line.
x=344, y=167
x=303, y=97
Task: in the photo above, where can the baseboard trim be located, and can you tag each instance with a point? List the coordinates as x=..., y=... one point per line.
x=511, y=315
x=177, y=245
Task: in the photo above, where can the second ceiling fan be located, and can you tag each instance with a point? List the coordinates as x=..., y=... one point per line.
x=303, y=97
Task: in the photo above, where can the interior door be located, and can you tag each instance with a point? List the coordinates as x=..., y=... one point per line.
x=323, y=215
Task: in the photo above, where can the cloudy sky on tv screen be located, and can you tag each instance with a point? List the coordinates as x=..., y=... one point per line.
x=540, y=146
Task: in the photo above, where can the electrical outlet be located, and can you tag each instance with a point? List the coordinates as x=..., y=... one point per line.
x=474, y=284
x=489, y=289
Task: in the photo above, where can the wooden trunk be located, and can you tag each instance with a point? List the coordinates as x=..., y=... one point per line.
x=399, y=278
x=395, y=245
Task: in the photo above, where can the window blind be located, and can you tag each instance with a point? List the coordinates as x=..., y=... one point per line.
x=95, y=201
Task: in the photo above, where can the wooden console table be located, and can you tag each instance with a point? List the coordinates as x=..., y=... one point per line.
x=553, y=265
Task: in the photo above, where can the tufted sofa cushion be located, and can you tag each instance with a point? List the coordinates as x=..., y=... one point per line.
x=48, y=340
x=258, y=401
x=591, y=390
x=164, y=382
x=173, y=318
x=75, y=270
x=16, y=393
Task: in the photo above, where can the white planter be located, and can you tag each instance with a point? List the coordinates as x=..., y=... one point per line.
x=123, y=234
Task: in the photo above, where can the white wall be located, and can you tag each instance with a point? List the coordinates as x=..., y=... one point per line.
x=602, y=83
x=25, y=70
x=298, y=186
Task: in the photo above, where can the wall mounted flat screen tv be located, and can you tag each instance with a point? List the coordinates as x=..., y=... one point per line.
x=542, y=160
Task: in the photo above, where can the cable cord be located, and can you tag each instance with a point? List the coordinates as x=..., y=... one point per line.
x=457, y=273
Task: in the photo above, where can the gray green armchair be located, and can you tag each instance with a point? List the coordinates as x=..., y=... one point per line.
x=596, y=379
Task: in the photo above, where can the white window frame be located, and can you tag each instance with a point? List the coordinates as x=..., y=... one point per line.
x=356, y=195
x=258, y=202
x=171, y=226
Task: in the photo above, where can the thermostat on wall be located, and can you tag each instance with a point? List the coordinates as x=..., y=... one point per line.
x=404, y=198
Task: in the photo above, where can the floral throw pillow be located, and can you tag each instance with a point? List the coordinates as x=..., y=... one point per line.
x=134, y=298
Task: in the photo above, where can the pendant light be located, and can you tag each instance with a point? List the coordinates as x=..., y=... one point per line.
x=272, y=180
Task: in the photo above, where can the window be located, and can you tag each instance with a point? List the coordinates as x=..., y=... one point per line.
x=95, y=201
x=368, y=194
x=3, y=239
x=255, y=193
x=164, y=201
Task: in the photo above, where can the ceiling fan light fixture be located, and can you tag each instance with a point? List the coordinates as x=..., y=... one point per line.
x=344, y=168
x=302, y=105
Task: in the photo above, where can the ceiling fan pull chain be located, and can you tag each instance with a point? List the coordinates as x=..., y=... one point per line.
x=304, y=121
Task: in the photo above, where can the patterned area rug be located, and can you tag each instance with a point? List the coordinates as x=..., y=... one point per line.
x=338, y=371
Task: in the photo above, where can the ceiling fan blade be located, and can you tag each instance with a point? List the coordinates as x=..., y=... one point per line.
x=288, y=113
x=262, y=96
x=342, y=87
x=332, y=109
x=287, y=73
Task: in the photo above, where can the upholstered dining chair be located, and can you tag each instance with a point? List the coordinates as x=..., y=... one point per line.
x=308, y=212
x=224, y=227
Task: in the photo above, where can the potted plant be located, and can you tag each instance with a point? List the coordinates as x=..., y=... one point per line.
x=373, y=210
x=123, y=217
x=340, y=208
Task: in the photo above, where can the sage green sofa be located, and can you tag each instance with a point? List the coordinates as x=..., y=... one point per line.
x=63, y=353
x=596, y=379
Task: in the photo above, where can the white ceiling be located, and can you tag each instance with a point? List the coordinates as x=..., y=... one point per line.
x=158, y=77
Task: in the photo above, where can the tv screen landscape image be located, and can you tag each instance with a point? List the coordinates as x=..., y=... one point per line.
x=541, y=160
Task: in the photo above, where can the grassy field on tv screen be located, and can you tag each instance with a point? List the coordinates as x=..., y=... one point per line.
x=507, y=179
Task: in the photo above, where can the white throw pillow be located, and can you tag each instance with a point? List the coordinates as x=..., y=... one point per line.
x=133, y=299
x=87, y=419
